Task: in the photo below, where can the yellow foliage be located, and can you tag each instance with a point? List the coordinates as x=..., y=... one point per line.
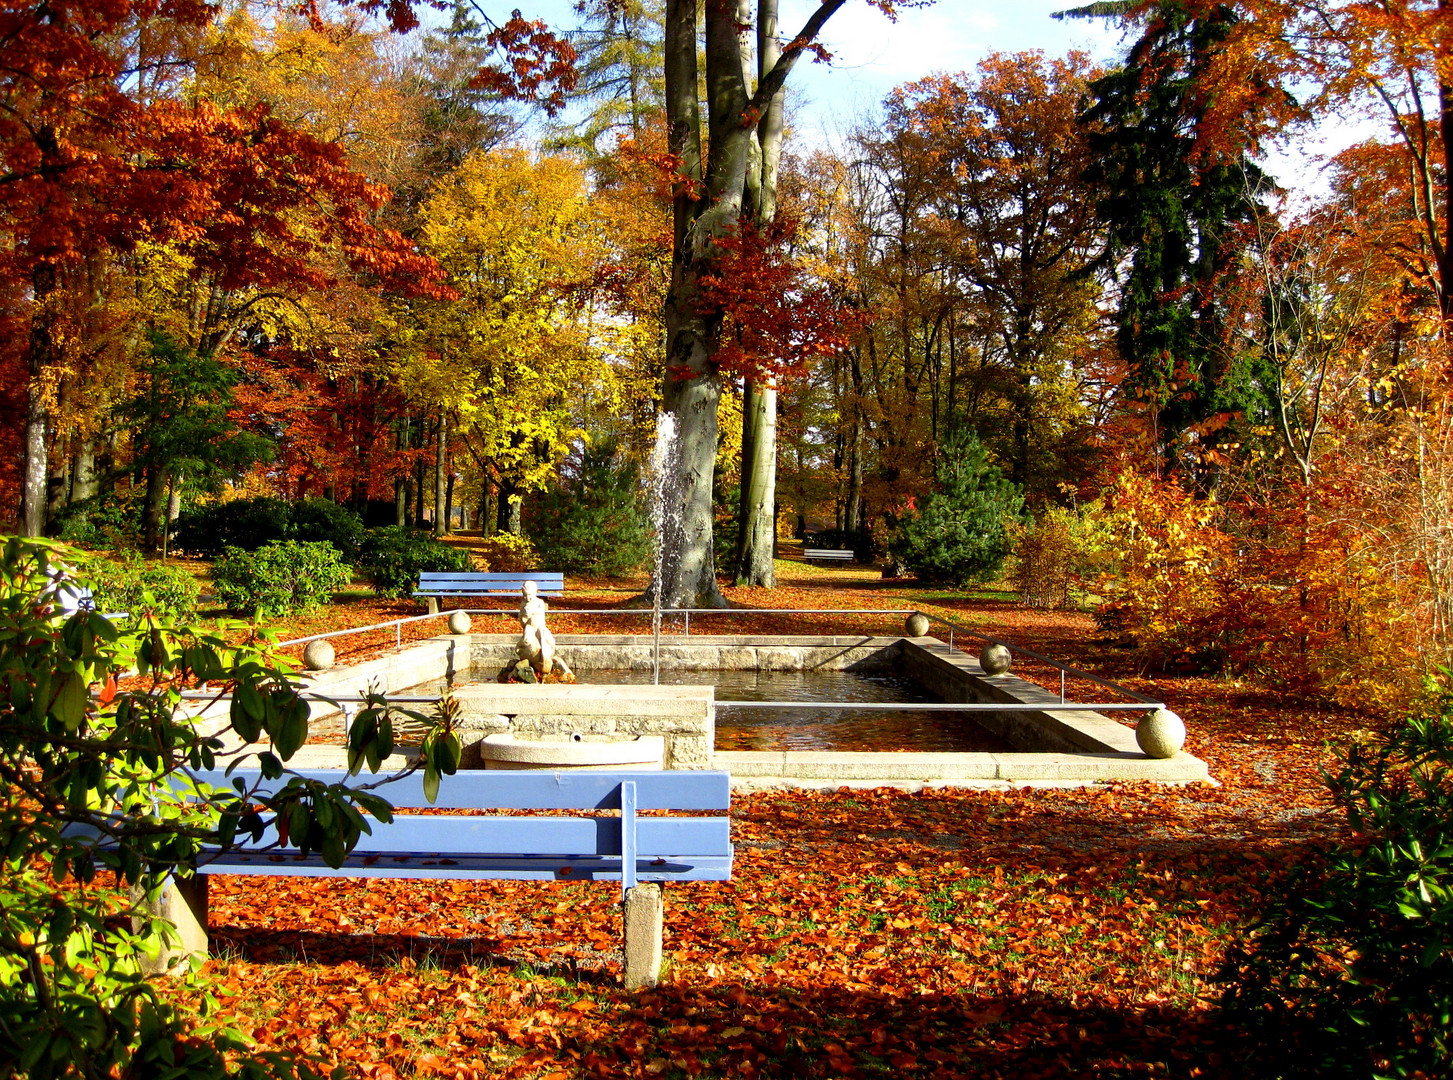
x=513, y=357
x=506, y=553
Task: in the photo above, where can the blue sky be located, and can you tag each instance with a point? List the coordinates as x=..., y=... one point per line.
x=872, y=55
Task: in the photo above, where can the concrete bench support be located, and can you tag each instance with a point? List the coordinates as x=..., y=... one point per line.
x=644, y=918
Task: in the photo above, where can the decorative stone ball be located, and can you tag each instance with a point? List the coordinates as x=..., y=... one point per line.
x=916, y=624
x=995, y=659
x=318, y=655
x=1161, y=734
x=459, y=622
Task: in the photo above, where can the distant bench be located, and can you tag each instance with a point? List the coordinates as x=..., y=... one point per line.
x=832, y=554
x=607, y=846
x=434, y=584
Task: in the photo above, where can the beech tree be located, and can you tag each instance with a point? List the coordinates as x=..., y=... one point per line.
x=716, y=190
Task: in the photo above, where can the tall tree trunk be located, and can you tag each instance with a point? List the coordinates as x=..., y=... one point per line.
x=757, y=540
x=85, y=484
x=43, y=349
x=420, y=485
x=706, y=204
x=441, y=474
x=757, y=522
x=507, y=509
x=58, y=483
x=153, y=509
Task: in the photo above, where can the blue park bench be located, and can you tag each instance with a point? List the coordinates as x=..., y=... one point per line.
x=435, y=584
x=615, y=844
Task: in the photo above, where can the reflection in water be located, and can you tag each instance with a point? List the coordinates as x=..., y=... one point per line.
x=826, y=728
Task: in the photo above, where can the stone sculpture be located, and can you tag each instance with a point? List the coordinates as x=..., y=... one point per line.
x=537, y=645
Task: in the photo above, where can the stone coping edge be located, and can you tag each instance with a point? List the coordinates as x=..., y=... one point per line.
x=755, y=768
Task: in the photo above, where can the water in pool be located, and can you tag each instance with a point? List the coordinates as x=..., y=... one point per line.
x=825, y=728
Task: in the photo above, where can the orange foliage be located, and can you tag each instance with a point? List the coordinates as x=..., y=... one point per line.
x=776, y=319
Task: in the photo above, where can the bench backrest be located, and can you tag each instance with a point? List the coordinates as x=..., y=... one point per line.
x=615, y=846
x=455, y=583
x=520, y=789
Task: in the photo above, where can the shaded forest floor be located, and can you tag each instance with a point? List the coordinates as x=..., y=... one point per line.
x=949, y=933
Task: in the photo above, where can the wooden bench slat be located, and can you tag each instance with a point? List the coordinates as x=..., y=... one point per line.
x=482, y=578
x=703, y=868
x=523, y=789
x=453, y=836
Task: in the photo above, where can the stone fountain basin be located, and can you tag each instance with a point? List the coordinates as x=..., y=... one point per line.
x=508, y=751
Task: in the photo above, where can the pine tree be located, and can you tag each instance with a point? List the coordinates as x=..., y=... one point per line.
x=956, y=534
x=1172, y=201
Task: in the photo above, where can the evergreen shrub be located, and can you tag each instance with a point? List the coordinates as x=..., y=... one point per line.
x=592, y=522
x=957, y=533
x=250, y=523
x=140, y=587
x=324, y=520
x=111, y=519
x=393, y=557
x=1352, y=976
x=279, y=578
x=240, y=523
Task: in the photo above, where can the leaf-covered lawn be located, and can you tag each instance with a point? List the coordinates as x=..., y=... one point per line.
x=882, y=933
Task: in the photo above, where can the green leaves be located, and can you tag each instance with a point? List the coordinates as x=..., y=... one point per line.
x=93, y=776
x=1360, y=962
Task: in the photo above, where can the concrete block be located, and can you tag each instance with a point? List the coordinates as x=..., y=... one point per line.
x=183, y=903
x=644, y=923
x=509, y=751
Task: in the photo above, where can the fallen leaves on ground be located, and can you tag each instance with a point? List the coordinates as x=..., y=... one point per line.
x=1033, y=933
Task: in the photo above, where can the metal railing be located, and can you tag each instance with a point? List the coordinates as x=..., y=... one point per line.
x=1140, y=701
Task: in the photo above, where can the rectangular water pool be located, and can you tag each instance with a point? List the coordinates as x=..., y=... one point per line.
x=857, y=730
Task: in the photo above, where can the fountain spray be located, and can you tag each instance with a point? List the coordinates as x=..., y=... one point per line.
x=661, y=462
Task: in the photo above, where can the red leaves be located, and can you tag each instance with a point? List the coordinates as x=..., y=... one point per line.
x=776, y=317
x=538, y=66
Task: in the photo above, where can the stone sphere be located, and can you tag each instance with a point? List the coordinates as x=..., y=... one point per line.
x=1161, y=734
x=916, y=624
x=318, y=655
x=995, y=659
x=459, y=622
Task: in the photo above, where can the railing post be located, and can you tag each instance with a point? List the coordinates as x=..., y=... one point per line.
x=1061, y=686
x=688, y=621
x=398, y=634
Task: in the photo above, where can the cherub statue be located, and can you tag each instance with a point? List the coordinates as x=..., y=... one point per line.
x=537, y=644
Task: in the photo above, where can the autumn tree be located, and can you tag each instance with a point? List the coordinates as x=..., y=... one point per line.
x=102, y=150
x=510, y=361
x=1010, y=224
x=717, y=182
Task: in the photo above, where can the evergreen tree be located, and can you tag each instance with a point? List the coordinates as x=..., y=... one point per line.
x=956, y=534
x=591, y=522
x=183, y=430
x=458, y=117
x=619, y=62
x=1171, y=199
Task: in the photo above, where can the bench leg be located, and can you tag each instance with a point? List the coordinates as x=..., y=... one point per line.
x=184, y=904
x=433, y=605
x=643, y=918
